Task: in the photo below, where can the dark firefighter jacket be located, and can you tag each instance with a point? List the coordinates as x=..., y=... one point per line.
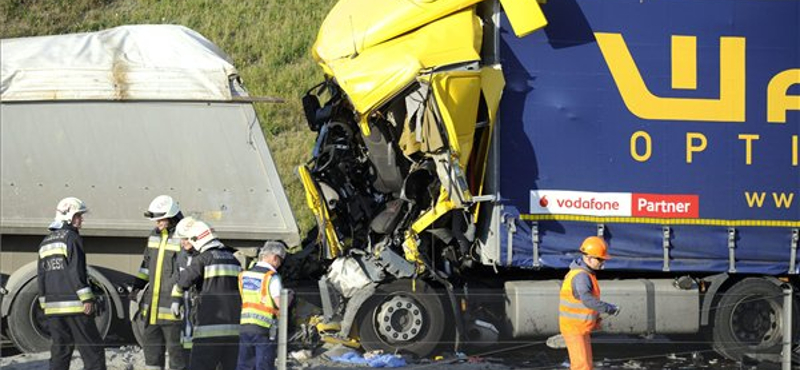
x=160, y=269
x=215, y=272
x=189, y=297
x=63, y=286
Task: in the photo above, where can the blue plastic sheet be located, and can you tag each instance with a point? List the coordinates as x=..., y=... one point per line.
x=374, y=361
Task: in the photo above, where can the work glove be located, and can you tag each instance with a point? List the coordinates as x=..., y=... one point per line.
x=88, y=308
x=614, y=311
x=175, y=308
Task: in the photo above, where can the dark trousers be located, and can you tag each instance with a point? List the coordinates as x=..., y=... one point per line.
x=208, y=352
x=157, y=339
x=256, y=352
x=70, y=331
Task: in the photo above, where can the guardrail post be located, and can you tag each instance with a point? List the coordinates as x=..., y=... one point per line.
x=283, y=323
x=787, y=327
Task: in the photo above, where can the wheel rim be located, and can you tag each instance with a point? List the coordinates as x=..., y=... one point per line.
x=39, y=320
x=103, y=322
x=756, y=321
x=400, y=319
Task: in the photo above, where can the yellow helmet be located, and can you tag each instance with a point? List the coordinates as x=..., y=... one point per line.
x=596, y=247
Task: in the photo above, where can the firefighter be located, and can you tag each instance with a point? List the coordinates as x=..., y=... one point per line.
x=65, y=293
x=260, y=288
x=580, y=304
x=189, y=296
x=157, y=275
x=215, y=336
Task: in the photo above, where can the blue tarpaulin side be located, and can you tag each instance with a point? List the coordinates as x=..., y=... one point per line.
x=567, y=137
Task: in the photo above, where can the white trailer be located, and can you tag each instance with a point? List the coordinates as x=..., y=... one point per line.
x=116, y=118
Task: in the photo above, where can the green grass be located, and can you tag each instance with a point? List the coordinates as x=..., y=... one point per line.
x=268, y=40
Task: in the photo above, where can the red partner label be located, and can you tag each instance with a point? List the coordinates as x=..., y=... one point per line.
x=665, y=206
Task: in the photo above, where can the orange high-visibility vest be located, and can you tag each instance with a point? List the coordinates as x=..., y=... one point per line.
x=573, y=316
x=258, y=307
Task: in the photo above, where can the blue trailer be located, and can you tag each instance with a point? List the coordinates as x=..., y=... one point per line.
x=466, y=144
x=672, y=123
x=671, y=129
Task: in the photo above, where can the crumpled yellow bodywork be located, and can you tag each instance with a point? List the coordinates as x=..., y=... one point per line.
x=457, y=95
x=378, y=73
x=353, y=26
x=376, y=49
x=316, y=202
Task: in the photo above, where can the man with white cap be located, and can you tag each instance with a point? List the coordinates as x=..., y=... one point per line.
x=260, y=288
x=65, y=293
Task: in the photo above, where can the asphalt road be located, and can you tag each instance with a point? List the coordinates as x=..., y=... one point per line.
x=613, y=353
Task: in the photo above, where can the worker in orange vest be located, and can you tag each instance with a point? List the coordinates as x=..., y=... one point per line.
x=580, y=305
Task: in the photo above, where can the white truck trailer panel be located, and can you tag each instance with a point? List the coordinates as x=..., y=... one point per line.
x=120, y=116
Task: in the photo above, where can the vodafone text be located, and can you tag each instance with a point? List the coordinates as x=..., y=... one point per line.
x=585, y=203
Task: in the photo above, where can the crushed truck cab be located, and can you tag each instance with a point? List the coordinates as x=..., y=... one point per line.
x=404, y=122
x=407, y=119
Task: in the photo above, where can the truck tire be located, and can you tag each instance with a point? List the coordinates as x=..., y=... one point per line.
x=137, y=326
x=137, y=323
x=27, y=324
x=749, y=320
x=397, y=320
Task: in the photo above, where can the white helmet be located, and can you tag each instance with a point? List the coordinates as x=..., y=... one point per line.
x=69, y=207
x=198, y=232
x=163, y=206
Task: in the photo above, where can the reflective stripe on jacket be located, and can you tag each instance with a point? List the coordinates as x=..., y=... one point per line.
x=159, y=268
x=258, y=307
x=573, y=316
x=61, y=273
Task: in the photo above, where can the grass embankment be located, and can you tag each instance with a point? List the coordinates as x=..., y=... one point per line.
x=268, y=40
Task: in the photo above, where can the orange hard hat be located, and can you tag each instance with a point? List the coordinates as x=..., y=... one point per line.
x=595, y=246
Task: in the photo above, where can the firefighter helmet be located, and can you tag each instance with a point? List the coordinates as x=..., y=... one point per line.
x=69, y=207
x=198, y=232
x=163, y=206
x=596, y=247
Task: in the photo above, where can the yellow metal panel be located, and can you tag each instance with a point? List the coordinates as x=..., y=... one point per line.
x=492, y=84
x=317, y=205
x=442, y=206
x=525, y=16
x=379, y=73
x=410, y=248
x=457, y=97
x=374, y=76
x=454, y=39
x=353, y=26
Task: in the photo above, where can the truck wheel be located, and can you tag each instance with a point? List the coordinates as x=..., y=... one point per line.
x=749, y=319
x=137, y=323
x=27, y=324
x=137, y=326
x=399, y=320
